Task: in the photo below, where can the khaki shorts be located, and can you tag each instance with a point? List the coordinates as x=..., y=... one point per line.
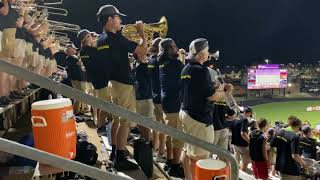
x=41, y=61
x=145, y=108
x=221, y=138
x=104, y=94
x=78, y=105
x=46, y=63
x=35, y=59
x=89, y=88
x=174, y=121
x=242, y=153
x=123, y=95
x=20, y=48
x=158, y=113
x=8, y=42
x=0, y=41
x=289, y=177
x=199, y=130
x=29, y=49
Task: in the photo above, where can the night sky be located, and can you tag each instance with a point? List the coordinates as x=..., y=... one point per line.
x=244, y=31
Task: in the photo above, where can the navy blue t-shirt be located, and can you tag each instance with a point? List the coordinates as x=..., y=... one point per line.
x=219, y=115
x=61, y=58
x=238, y=127
x=9, y=21
x=94, y=73
x=113, y=50
x=287, y=144
x=73, y=69
x=196, y=88
x=169, y=73
x=155, y=81
x=47, y=53
x=20, y=33
x=143, y=82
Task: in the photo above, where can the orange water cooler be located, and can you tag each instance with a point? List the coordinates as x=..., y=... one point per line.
x=54, y=127
x=212, y=169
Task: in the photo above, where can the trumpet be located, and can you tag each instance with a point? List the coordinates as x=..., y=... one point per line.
x=129, y=31
x=61, y=26
x=228, y=97
x=35, y=8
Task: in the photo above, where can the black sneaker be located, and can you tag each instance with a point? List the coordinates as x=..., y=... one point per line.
x=102, y=130
x=125, y=165
x=15, y=96
x=167, y=165
x=4, y=101
x=112, y=156
x=176, y=170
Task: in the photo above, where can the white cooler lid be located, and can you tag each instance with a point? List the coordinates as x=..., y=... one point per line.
x=51, y=104
x=211, y=164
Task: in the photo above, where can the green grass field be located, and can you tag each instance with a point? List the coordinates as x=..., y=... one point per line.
x=280, y=111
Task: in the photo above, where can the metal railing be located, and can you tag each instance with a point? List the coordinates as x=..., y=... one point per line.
x=118, y=111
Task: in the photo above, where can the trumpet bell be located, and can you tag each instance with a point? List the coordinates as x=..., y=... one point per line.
x=161, y=28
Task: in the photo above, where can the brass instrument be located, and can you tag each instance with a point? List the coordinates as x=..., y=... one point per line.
x=129, y=31
x=31, y=6
x=61, y=26
x=228, y=97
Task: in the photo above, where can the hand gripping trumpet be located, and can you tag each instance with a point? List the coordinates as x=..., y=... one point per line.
x=229, y=99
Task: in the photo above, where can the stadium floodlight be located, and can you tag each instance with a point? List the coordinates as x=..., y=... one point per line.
x=267, y=61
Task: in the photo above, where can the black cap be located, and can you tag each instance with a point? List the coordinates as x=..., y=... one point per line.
x=197, y=46
x=108, y=10
x=82, y=34
x=71, y=46
x=248, y=109
x=306, y=129
x=164, y=45
x=94, y=34
x=156, y=42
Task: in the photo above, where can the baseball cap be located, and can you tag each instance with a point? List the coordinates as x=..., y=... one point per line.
x=108, y=10
x=305, y=129
x=197, y=46
x=82, y=34
x=94, y=34
x=71, y=46
x=248, y=109
x=164, y=45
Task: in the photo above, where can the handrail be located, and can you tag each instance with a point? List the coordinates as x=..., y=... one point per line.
x=119, y=111
x=54, y=160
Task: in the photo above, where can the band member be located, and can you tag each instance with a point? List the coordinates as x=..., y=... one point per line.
x=113, y=49
x=221, y=131
x=88, y=56
x=76, y=73
x=8, y=18
x=169, y=72
x=258, y=150
x=241, y=139
x=143, y=91
x=289, y=161
x=196, y=109
x=159, y=139
x=308, y=144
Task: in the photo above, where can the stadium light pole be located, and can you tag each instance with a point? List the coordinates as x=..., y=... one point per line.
x=267, y=61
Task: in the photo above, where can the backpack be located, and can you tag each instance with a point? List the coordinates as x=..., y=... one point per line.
x=142, y=153
x=86, y=153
